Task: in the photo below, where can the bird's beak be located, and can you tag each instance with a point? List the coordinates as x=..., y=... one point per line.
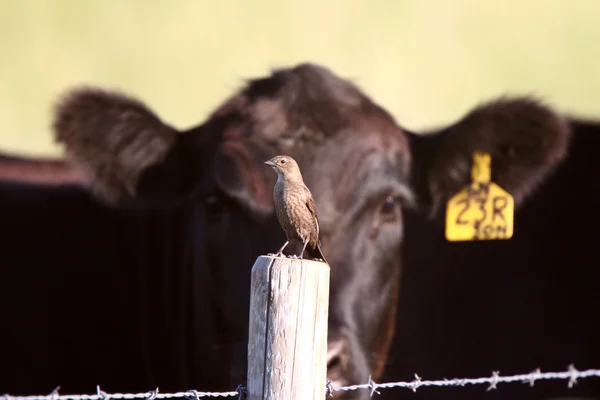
x=270, y=163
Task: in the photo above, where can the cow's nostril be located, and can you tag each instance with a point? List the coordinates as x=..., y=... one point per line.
x=337, y=362
x=334, y=363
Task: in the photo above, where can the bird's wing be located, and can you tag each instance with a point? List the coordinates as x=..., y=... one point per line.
x=310, y=204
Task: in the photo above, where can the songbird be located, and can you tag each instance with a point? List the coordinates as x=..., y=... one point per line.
x=295, y=207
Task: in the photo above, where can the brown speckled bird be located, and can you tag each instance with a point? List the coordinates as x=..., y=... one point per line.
x=294, y=206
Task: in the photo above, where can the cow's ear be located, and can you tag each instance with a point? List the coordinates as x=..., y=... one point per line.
x=241, y=174
x=525, y=139
x=123, y=148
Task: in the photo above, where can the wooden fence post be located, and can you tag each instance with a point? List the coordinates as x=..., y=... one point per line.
x=287, y=343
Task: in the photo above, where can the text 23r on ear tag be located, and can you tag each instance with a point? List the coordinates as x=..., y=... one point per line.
x=482, y=210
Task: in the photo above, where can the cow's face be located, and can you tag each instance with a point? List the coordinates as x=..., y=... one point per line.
x=359, y=195
x=353, y=158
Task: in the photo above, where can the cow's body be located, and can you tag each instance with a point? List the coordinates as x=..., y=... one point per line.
x=81, y=309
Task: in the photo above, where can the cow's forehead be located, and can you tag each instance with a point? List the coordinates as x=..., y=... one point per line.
x=379, y=137
x=359, y=163
x=375, y=149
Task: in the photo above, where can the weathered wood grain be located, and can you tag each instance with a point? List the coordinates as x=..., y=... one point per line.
x=288, y=329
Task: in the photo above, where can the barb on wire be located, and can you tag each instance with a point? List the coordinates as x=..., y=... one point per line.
x=572, y=374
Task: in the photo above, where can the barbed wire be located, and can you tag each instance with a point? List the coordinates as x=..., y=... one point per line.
x=572, y=374
x=150, y=395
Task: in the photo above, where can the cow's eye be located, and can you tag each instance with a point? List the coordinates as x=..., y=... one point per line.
x=214, y=209
x=389, y=209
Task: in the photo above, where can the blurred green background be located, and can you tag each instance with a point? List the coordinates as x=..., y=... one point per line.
x=426, y=61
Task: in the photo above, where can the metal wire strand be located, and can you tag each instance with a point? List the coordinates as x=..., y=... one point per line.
x=572, y=374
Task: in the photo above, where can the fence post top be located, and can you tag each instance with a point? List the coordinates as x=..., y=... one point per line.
x=288, y=260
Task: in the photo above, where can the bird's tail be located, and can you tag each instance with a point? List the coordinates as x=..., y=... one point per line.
x=320, y=252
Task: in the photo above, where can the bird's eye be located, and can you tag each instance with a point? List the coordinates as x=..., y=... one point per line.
x=389, y=209
x=283, y=161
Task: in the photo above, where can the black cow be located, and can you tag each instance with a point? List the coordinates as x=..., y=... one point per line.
x=470, y=308
x=146, y=283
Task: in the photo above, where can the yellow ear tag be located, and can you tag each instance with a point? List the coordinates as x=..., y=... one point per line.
x=482, y=210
